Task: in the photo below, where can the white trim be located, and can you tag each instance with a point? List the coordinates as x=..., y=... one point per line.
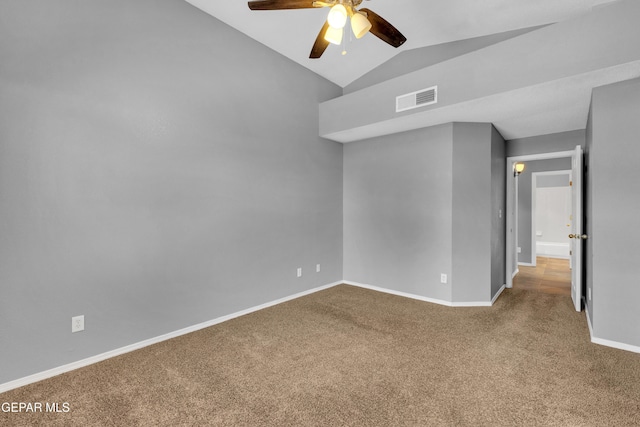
x=556, y=172
x=515, y=273
x=510, y=246
x=420, y=297
x=616, y=344
x=526, y=264
x=533, y=254
x=541, y=156
x=136, y=346
x=471, y=304
x=555, y=256
x=398, y=293
x=609, y=343
x=511, y=240
x=577, y=210
x=553, y=250
x=586, y=310
x=493, y=300
x=20, y=382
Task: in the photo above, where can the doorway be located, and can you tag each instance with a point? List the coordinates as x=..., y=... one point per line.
x=551, y=214
x=549, y=275
x=512, y=240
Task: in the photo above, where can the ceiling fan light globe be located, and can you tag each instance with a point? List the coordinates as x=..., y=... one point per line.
x=337, y=16
x=333, y=35
x=360, y=24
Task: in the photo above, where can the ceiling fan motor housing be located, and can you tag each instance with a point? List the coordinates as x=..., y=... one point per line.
x=362, y=21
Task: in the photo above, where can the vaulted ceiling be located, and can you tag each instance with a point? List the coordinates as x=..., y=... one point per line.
x=423, y=23
x=450, y=35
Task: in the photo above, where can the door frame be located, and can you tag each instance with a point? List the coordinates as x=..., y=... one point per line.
x=534, y=191
x=511, y=213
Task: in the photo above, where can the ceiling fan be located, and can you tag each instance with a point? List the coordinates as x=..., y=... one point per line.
x=362, y=21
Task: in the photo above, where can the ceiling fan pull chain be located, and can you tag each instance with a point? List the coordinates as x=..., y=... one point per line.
x=344, y=42
x=363, y=21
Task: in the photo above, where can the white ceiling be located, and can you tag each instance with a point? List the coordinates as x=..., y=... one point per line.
x=551, y=107
x=423, y=23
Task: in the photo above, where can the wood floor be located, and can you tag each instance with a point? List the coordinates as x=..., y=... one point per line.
x=550, y=275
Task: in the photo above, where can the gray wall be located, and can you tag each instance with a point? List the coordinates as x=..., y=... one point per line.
x=563, y=141
x=398, y=211
x=525, y=200
x=471, y=257
x=475, y=257
x=421, y=203
x=614, y=208
x=498, y=212
x=151, y=177
x=415, y=59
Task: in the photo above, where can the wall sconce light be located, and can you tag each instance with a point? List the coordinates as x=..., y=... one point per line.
x=518, y=168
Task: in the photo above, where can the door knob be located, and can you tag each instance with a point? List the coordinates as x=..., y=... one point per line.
x=578, y=236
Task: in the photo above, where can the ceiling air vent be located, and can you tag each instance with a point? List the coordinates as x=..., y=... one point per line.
x=417, y=99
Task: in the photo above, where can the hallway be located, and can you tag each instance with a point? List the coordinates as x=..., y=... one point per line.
x=550, y=275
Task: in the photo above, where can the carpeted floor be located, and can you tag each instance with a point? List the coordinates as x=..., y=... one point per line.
x=353, y=357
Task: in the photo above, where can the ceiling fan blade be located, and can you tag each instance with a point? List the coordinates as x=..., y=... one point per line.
x=321, y=44
x=383, y=30
x=280, y=4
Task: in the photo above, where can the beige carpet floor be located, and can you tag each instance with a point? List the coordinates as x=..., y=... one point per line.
x=354, y=357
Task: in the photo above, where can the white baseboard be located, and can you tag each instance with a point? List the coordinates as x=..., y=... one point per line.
x=493, y=300
x=609, y=343
x=420, y=297
x=527, y=264
x=553, y=250
x=515, y=273
x=554, y=256
x=586, y=310
x=471, y=304
x=615, y=344
x=136, y=346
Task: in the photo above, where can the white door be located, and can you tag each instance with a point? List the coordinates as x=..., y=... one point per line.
x=576, y=235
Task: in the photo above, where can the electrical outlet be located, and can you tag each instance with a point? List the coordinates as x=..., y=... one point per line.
x=317, y=268
x=299, y=272
x=77, y=323
x=589, y=293
x=519, y=249
x=443, y=278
